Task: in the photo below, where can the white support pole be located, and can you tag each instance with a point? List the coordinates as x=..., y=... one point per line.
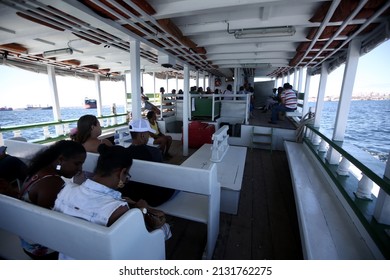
x=197, y=79
x=99, y=95
x=55, y=100
x=177, y=84
x=345, y=98
x=307, y=92
x=295, y=82
x=300, y=79
x=154, y=82
x=54, y=92
x=236, y=81
x=135, y=79
x=186, y=108
x=321, y=94
x=204, y=81
x=346, y=90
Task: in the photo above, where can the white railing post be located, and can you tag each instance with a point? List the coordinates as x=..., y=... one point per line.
x=382, y=207
x=66, y=128
x=316, y=139
x=343, y=168
x=17, y=133
x=333, y=156
x=46, y=133
x=323, y=146
x=365, y=186
x=59, y=129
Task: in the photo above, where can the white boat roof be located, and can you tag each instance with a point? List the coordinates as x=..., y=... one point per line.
x=207, y=35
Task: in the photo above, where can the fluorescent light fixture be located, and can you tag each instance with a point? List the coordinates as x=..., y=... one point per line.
x=264, y=32
x=57, y=52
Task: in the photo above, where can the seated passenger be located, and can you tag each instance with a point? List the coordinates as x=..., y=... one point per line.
x=161, y=139
x=271, y=101
x=88, y=131
x=97, y=199
x=180, y=95
x=288, y=104
x=139, y=130
x=44, y=181
x=139, y=149
x=149, y=106
x=229, y=91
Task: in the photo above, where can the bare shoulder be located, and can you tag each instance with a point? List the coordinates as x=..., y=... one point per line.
x=107, y=142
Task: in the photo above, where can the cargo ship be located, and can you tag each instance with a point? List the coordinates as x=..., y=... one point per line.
x=90, y=103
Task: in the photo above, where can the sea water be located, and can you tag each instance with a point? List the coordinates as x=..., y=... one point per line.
x=368, y=124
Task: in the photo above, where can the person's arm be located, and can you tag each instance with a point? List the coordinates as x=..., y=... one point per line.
x=154, y=136
x=117, y=214
x=44, y=193
x=107, y=142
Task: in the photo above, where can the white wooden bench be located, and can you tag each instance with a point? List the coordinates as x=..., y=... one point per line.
x=327, y=231
x=198, y=199
x=22, y=150
x=230, y=162
x=126, y=239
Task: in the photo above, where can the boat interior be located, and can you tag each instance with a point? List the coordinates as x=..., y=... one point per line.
x=271, y=191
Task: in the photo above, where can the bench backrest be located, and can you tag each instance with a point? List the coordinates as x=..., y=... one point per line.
x=193, y=179
x=127, y=238
x=22, y=150
x=220, y=144
x=199, y=199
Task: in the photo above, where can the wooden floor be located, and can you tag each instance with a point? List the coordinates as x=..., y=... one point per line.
x=266, y=225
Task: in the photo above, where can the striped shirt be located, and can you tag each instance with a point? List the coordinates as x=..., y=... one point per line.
x=290, y=99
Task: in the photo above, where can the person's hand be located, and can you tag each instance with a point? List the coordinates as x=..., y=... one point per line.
x=129, y=201
x=141, y=204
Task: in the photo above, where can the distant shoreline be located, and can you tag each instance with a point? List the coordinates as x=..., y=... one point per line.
x=355, y=98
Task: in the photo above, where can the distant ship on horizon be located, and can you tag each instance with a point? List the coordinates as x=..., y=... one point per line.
x=32, y=107
x=6, y=109
x=90, y=103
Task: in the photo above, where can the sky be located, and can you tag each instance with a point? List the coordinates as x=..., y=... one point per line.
x=19, y=88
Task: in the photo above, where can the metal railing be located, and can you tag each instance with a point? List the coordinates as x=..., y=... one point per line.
x=56, y=130
x=365, y=195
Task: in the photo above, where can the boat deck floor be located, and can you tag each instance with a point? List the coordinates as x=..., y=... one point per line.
x=261, y=118
x=266, y=225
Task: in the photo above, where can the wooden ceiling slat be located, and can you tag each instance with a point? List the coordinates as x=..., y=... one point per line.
x=14, y=47
x=73, y=62
x=33, y=19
